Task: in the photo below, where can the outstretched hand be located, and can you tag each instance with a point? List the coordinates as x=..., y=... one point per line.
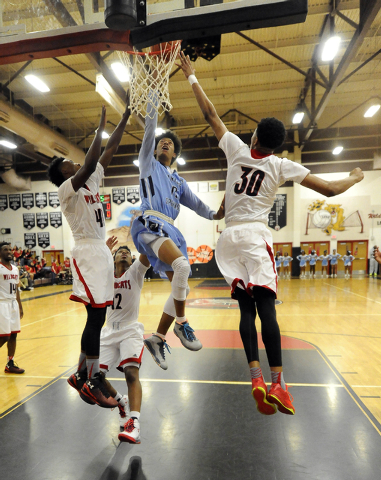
x=186, y=65
x=221, y=211
x=111, y=242
x=358, y=174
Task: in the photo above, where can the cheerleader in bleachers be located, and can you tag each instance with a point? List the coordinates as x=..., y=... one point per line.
x=334, y=261
x=287, y=265
x=278, y=262
x=324, y=263
x=348, y=259
x=313, y=259
x=303, y=259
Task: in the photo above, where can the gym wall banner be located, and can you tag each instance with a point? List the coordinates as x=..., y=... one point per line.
x=118, y=195
x=29, y=220
x=14, y=201
x=27, y=200
x=53, y=199
x=41, y=200
x=42, y=220
x=30, y=240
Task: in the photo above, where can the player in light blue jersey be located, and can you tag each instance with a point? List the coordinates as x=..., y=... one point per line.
x=334, y=260
x=324, y=262
x=303, y=259
x=287, y=265
x=162, y=191
x=348, y=259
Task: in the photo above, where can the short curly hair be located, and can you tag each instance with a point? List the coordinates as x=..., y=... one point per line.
x=54, y=172
x=175, y=139
x=271, y=133
x=123, y=247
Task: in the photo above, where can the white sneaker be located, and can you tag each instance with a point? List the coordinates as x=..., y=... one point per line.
x=124, y=413
x=131, y=432
x=156, y=347
x=185, y=333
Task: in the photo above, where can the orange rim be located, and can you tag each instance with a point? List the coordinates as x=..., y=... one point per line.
x=157, y=52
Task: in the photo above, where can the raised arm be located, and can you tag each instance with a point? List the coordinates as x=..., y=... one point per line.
x=148, y=145
x=190, y=200
x=206, y=106
x=114, y=141
x=92, y=156
x=330, y=189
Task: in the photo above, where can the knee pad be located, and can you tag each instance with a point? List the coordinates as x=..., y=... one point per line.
x=169, y=307
x=181, y=270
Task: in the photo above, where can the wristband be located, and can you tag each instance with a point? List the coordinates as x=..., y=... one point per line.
x=192, y=79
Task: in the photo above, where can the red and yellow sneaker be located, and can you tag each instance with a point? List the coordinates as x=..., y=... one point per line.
x=281, y=398
x=259, y=393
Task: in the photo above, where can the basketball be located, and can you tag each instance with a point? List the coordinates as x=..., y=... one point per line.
x=321, y=219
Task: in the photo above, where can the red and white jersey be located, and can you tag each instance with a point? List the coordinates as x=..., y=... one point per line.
x=253, y=180
x=83, y=209
x=127, y=290
x=9, y=280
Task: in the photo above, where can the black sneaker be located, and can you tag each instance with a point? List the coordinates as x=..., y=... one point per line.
x=95, y=391
x=11, y=367
x=77, y=381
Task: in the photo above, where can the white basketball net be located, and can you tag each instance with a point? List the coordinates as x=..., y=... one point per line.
x=150, y=78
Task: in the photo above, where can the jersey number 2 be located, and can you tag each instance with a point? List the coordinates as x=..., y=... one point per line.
x=250, y=187
x=118, y=297
x=99, y=217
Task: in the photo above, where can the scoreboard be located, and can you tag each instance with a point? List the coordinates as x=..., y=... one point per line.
x=106, y=204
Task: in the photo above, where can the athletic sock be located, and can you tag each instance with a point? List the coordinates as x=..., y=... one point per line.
x=134, y=414
x=181, y=320
x=10, y=358
x=160, y=335
x=119, y=398
x=92, y=366
x=255, y=372
x=82, y=362
x=277, y=377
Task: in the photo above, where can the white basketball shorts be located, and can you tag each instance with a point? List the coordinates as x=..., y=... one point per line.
x=123, y=347
x=93, y=273
x=9, y=318
x=245, y=257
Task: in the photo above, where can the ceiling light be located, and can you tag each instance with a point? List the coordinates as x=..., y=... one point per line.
x=37, y=83
x=121, y=72
x=159, y=131
x=331, y=47
x=7, y=144
x=105, y=135
x=136, y=163
x=298, y=117
x=372, y=111
x=108, y=94
x=337, y=150
x=181, y=161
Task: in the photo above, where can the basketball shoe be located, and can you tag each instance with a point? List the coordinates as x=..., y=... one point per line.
x=259, y=393
x=94, y=390
x=281, y=398
x=124, y=413
x=77, y=381
x=131, y=431
x=155, y=345
x=186, y=335
x=11, y=367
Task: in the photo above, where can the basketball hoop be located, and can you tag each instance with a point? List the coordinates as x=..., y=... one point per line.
x=150, y=77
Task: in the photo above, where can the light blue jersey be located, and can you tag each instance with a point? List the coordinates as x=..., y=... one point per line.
x=161, y=190
x=303, y=259
x=324, y=260
x=278, y=261
x=335, y=258
x=348, y=260
x=313, y=259
x=287, y=260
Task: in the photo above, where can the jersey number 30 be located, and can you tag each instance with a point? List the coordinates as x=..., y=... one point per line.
x=250, y=186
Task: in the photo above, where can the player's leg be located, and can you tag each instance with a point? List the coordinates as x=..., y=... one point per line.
x=249, y=338
x=131, y=432
x=278, y=394
x=11, y=367
x=94, y=390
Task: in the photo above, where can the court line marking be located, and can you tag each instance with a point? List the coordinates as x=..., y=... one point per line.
x=47, y=318
x=352, y=293
x=45, y=295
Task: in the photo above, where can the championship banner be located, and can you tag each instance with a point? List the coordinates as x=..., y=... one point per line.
x=55, y=219
x=43, y=239
x=30, y=240
x=53, y=199
x=14, y=201
x=41, y=200
x=42, y=220
x=278, y=213
x=118, y=195
x=29, y=220
x=133, y=195
x=27, y=200
x=3, y=202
